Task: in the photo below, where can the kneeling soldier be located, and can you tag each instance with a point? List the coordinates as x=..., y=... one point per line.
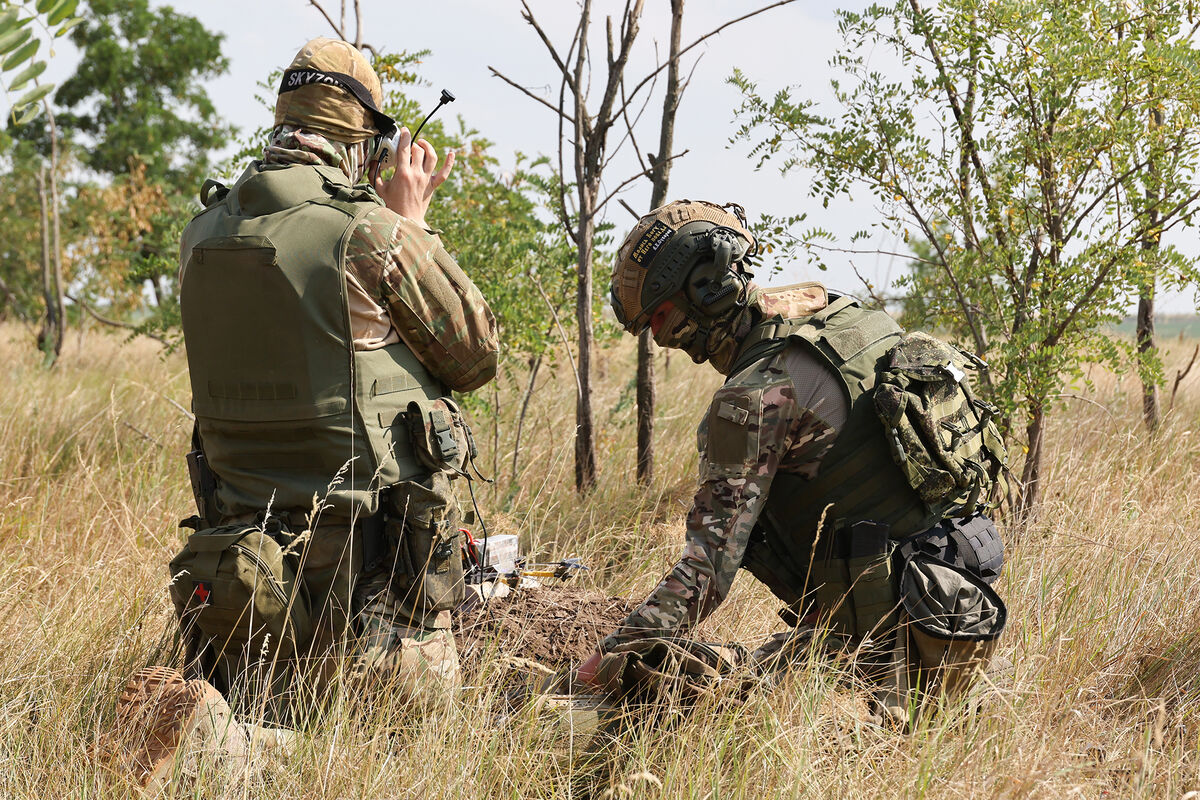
x=828, y=460
x=325, y=324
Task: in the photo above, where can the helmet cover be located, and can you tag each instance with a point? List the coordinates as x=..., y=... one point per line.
x=658, y=255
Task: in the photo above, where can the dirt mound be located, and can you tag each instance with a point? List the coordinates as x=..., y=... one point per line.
x=554, y=626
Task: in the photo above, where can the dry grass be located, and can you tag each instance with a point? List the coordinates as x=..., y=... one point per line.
x=1102, y=698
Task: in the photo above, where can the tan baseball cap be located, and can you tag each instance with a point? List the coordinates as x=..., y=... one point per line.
x=316, y=96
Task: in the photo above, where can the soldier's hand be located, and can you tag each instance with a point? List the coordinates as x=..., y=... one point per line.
x=409, y=191
x=587, y=671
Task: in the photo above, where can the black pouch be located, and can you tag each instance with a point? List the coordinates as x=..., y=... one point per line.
x=423, y=523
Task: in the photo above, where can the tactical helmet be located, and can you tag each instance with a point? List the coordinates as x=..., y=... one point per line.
x=691, y=251
x=330, y=88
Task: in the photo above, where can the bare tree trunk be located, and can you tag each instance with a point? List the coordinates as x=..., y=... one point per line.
x=54, y=325
x=1145, y=346
x=645, y=407
x=157, y=287
x=50, y=336
x=55, y=218
x=1145, y=316
x=658, y=196
x=588, y=139
x=528, y=395
x=495, y=432
x=585, y=434
x=1028, y=496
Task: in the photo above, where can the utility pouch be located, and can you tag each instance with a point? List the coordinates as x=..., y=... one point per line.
x=873, y=587
x=953, y=619
x=423, y=523
x=854, y=583
x=441, y=437
x=239, y=586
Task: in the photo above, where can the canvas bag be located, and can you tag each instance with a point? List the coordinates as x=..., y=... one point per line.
x=239, y=586
x=954, y=620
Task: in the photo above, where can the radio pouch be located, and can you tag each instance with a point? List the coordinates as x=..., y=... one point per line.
x=441, y=437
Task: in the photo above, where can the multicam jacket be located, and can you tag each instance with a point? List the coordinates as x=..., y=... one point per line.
x=801, y=409
x=432, y=305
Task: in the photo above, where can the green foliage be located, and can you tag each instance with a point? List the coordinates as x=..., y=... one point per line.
x=21, y=245
x=138, y=91
x=22, y=28
x=1012, y=145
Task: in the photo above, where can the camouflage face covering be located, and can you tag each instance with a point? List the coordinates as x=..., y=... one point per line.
x=718, y=344
x=291, y=145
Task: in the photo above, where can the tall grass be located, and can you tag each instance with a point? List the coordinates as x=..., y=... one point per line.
x=1100, y=695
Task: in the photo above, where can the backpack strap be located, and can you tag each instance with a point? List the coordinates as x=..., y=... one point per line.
x=765, y=339
x=845, y=301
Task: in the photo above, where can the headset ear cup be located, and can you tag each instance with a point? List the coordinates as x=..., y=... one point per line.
x=712, y=291
x=376, y=148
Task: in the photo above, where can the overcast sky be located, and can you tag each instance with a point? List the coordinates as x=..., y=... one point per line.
x=785, y=46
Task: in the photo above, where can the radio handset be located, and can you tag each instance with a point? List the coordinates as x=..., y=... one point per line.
x=390, y=144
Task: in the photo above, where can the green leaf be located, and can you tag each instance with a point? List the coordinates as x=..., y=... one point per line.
x=13, y=40
x=44, y=5
x=27, y=115
x=8, y=21
x=26, y=75
x=62, y=10
x=35, y=95
x=20, y=55
x=65, y=28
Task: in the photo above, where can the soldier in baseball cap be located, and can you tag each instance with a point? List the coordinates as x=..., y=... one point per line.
x=319, y=308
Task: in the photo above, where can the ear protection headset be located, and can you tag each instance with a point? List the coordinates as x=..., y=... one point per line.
x=715, y=285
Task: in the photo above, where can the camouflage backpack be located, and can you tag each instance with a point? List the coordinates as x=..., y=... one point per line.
x=942, y=437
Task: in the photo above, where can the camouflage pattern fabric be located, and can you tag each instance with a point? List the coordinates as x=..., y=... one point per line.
x=331, y=110
x=291, y=145
x=754, y=430
x=433, y=304
x=726, y=335
x=419, y=663
x=790, y=302
x=782, y=652
x=735, y=478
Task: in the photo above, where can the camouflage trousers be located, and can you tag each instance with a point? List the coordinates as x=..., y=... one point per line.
x=376, y=627
x=417, y=662
x=881, y=665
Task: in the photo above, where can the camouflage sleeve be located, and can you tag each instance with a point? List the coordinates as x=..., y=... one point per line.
x=747, y=431
x=434, y=306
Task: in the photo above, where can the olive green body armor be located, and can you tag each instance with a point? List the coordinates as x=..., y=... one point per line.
x=858, y=480
x=286, y=408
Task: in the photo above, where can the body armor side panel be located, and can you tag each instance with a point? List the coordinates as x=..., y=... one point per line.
x=858, y=479
x=284, y=403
